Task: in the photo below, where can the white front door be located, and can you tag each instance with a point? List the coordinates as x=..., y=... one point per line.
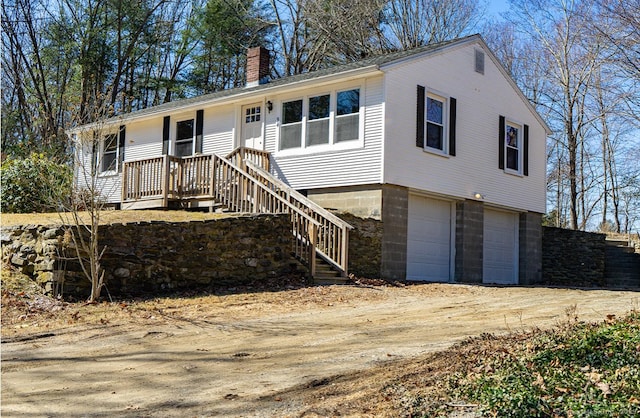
x=252, y=119
x=428, y=239
x=500, y=247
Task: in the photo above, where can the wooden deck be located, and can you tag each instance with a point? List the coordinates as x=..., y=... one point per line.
x=241, y=182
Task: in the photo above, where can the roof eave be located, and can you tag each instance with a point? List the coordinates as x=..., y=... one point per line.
x=241, y=94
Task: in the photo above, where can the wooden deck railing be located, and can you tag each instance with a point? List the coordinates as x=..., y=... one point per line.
x=241, y=155
x=333, y=234
x=150, y=178
x=217, y=178
x=194, y=176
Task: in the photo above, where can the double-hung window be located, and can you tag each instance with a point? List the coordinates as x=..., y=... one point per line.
x=436, y=114
x=436, y=122
x=109, y=153
x=347, y=115
x=320, y=120
x=513, y=151
x=291, y=130
x=184, y=138
x=513, y=144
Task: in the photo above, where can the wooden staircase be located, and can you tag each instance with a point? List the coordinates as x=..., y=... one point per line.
x=241, y=182
x=327, y=274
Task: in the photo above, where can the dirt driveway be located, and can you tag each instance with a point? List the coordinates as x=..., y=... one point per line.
x=239, y=355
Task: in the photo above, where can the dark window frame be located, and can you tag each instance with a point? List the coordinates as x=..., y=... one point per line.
x=181, y=139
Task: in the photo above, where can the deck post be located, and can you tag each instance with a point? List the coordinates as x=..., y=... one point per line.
x=267, y=162
x=125, y=182
x=313, y=233
x=345, y=251
x=214, y=172
x=165, y=180
x=256, y=203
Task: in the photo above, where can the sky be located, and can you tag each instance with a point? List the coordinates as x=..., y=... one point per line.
x=495, y=7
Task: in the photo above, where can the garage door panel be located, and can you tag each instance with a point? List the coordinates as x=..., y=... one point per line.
x=500, y=247
x=428, y=239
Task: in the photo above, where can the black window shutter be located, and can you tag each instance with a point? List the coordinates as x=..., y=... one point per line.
x=525, y=151
x=420, y=117
x=121, y=139
x=501, y=143
x=199, y=128
x=452, y=126
x=166, y=128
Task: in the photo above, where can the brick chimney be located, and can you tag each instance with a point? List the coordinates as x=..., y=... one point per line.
x=257, y=66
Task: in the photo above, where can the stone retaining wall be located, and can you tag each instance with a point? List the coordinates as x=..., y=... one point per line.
x=365, y=246
x=154, y=256
x=572, y=258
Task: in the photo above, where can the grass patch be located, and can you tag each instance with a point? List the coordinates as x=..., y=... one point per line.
x=575, y=370
x=112, y=216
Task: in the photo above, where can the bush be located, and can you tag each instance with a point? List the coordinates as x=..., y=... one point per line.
x=34, y=184
x=586, y=370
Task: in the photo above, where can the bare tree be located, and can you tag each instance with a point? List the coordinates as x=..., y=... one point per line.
x=619, y=22
x=414, y=23
x=570, y=59
x=292, y=39
x=346, y=30
x=98, y=156
x=35, y=77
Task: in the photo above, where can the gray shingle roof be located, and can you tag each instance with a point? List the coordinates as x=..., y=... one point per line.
x=373, y=62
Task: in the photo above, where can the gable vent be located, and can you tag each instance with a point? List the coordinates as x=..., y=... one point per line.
x=479, y=61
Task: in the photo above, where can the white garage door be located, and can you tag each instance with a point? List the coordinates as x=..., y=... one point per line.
x=429, y=239
x=500, y=252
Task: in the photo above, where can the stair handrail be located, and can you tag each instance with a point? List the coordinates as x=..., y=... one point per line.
x=323, y=247
x=242, y=153
x=293, y=193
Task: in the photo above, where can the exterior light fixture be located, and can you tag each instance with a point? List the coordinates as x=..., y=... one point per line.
x=479, y=196
x=269, y=106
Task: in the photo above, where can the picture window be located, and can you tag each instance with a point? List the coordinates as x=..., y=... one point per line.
x=320, y=120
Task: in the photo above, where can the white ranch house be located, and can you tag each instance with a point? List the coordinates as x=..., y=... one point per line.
x=437, y=142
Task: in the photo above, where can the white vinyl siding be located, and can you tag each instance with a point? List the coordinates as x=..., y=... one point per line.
x=481, y=98
x=219, y=129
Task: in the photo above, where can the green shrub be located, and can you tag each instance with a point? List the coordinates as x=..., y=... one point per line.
x=587, y=370
x=34, y=184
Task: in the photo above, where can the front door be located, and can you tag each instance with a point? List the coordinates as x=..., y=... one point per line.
x=252, y=118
